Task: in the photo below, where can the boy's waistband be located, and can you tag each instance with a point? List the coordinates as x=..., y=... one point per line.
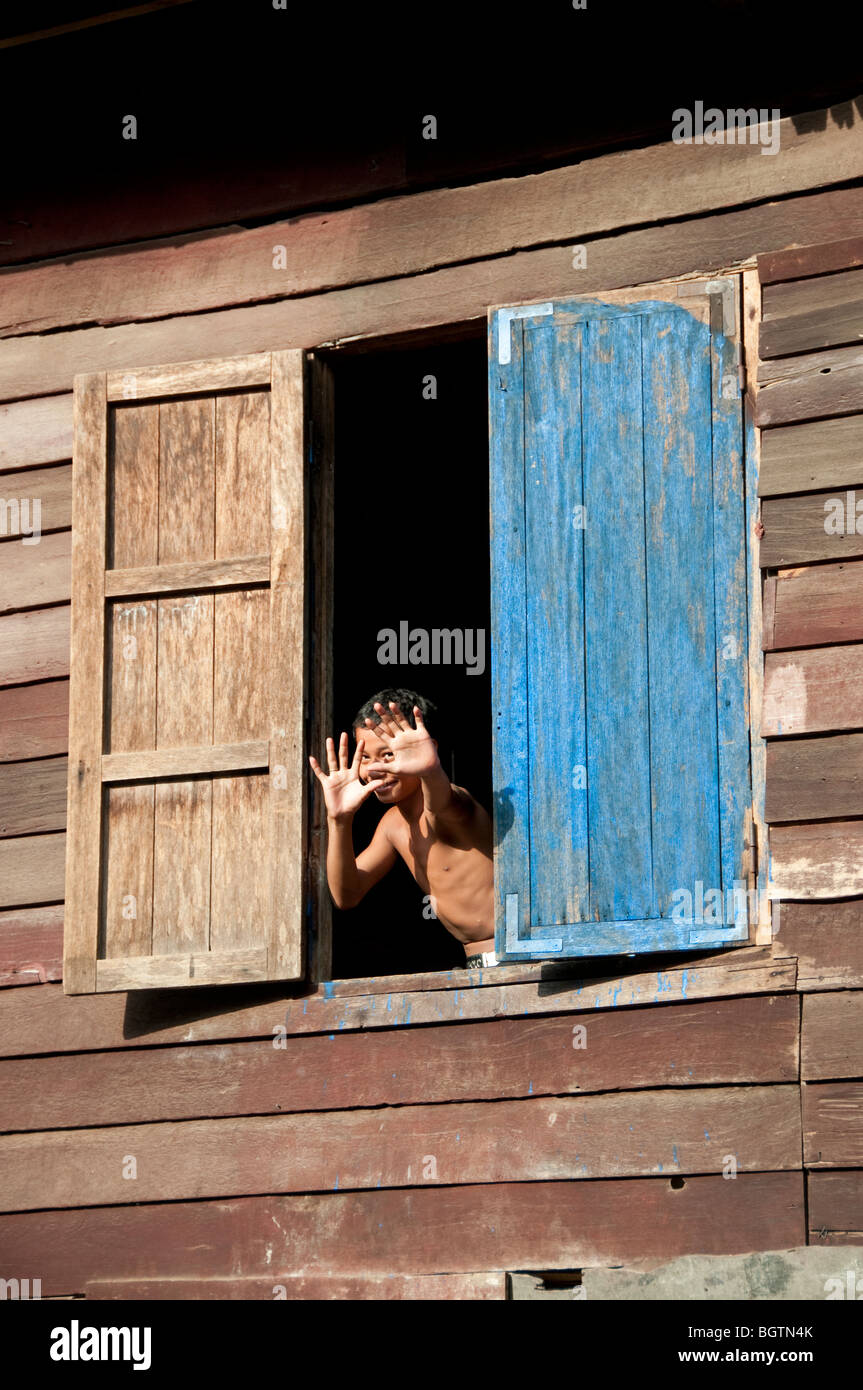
x=482, y=959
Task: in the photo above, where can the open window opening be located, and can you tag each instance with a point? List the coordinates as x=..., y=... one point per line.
x=411, y=557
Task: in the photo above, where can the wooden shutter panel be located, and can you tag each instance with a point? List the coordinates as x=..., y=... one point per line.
x=619, y=627
x=185, y=844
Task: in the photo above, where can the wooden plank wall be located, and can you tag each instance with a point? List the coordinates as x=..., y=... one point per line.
x=810, y=407
x=375, y=1139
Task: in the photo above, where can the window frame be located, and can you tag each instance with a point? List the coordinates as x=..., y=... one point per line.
x=747, y=300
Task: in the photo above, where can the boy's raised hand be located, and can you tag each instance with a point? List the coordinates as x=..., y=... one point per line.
x=342, y=788
x=413, y=751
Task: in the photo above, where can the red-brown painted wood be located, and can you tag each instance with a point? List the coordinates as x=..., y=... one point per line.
x=814, y=778
x=675, y=1045
x=31, y=945
x=827, y=939
x=815, y=691
x=817, y=606
x=831, y=1042
x=803, y=261
x=34, y=720
x=833, y=1124
x=556, y=1225
x=835, y=1208
x=291, y=1287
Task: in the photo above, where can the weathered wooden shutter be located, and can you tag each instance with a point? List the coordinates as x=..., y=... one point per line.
x=186, y=787
x=619, y=627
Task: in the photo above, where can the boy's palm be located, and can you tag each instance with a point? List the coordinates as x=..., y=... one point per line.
x=342, y=788
x=413, y=750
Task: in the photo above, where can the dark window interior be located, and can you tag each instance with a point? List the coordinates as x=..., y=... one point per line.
x=411, y=543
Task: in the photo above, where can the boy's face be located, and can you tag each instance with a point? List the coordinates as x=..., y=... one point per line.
x=389, y=790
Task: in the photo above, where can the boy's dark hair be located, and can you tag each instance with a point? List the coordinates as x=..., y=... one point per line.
x=405, y=699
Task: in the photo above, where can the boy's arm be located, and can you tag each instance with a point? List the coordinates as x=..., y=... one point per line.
x=350, y=877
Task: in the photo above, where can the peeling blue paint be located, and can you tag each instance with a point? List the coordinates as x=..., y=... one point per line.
x=674, y=1154
x=659, y=1166
x=706, y=1135
x=328, y=989
x=684, y=983
x=530, y=1089
x=336, y=1183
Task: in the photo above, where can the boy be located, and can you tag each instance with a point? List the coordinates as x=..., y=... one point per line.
x=443, y=834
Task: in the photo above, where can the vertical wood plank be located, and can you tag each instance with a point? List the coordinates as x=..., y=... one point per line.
x=127, y=898
x=184, y=710
x=186, y=480
x=240, y=874
x=182, y=866
x=320, y=591
x=554, y=538
x=680, y=602
x=89, y=468
x=288, y=786
x=732, y=633
x=133, y=486
x=242, y=478
x=759, y=619
x=510, y=747
x=621, y=868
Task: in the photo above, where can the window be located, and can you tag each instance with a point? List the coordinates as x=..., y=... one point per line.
x=203, y=643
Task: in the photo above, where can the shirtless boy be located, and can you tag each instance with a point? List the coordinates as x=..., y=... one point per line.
x=443, y=834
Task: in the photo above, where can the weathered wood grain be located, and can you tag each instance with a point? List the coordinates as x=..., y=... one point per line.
x=289, y=783
x=560, y=1225
x=397, y=237
x=50, y=487
x=815, y=778
x=89, y=464
x=804, y=261
x=202, y=574
x=817, y=606
x=827, y=940
x=804, y=315
x=812, y=457
x=133, y=486
x=815, y=384
x=796, y=528
x=34, y=720
x=32, y=869
x=321, y=610
x=33, y=432
x=326, y=1287
x=52, y=1023
x=831, y=1037
x=808, y=692
x=36, y=365
x=38, y=575
x=675, y=1045
x=833, y=1124
x=821, y=860
x=835, y=1208
x=33, y=796
x=34, y=646
x=186, y=761
x=31, y=945
x=186, y=378
x=202, y=967
x=632, y=1134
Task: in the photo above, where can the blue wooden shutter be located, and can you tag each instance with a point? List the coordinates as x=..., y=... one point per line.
x=619, y=629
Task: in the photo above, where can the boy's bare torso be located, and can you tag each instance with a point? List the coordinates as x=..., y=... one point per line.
x=453, y=864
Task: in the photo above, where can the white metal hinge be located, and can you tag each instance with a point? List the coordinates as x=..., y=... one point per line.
x=514, y=945
x=505, y=318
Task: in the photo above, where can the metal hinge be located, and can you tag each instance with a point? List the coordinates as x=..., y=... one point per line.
x=514, y=944
x=505, y=318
